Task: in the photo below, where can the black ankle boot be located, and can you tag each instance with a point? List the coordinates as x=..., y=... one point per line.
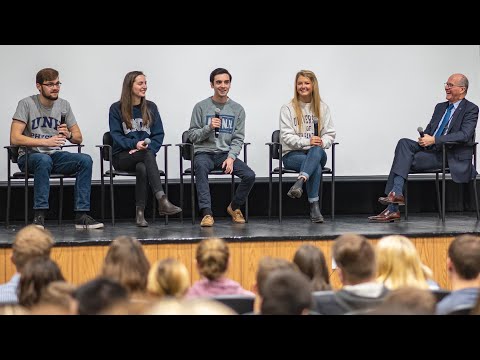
x=165, y=207
x=140, y=217
x=315, y=215
x=296, y=190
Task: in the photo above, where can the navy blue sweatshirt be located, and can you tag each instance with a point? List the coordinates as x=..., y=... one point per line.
x=127, y=139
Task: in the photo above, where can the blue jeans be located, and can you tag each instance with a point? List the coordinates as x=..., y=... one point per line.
x=309, y=164
x=59, y=162
x=206, y=162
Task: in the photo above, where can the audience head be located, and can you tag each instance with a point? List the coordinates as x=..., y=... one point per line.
x=98, y=295
x=355, y=258
x=168, y=277
x=311, y=261
x=399, y=264
x=212, y=258
x=60, y=294
x=409, y=300
x=286, y=292
x=464, y=257
x=31, y=242
x=36, y=275
x=267, y=265
x=198, y=306
x=126, y=263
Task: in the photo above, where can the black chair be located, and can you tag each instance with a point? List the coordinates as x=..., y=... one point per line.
x=187, y=151
x=12, y=157
x=443, y=171
x=242, y=304
x=275, y=149
x=106, y=155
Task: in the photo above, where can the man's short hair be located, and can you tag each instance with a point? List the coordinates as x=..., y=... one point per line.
x=31, y=242
x=47, y=74
x=219, y=71
x=464, y=252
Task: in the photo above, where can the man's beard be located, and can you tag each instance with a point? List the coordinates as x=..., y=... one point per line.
x=52, y=97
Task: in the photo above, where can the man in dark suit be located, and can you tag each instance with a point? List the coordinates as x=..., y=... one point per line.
x=453, y=120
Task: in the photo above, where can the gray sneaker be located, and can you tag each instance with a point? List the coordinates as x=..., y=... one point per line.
x=87, y=222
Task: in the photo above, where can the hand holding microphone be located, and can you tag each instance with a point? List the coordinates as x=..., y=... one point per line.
x=62, y=128
x=216, y=123
x=141, y=145
x=420, y=131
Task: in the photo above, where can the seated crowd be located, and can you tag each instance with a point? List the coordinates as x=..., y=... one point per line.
x=387, y=278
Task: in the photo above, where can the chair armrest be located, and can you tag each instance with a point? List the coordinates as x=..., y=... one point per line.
x=272, y=143
x=166, y=145
x=102, y=146
x=183, y=144
x=460, y=143
x=246, y=143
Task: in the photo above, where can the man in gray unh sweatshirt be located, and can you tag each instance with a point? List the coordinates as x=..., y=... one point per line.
x=217, y=130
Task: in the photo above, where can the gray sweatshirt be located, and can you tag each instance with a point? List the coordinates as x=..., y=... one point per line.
x=231, y=132
x=290, y=136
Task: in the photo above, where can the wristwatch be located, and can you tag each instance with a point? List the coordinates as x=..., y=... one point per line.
x=71, y=136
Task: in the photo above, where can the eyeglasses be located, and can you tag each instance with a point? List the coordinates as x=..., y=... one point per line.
x=51, y=85
x=450, y=85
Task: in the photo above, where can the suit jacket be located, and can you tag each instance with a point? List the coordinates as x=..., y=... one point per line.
x=461, y=129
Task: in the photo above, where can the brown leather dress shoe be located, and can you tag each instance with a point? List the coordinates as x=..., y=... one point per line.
x=392, y=199
x=385, y=216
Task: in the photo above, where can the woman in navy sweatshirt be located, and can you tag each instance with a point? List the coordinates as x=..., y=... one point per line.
x=132, y=120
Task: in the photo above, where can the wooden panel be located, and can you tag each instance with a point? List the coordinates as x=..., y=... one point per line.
x=87, y=262
x=62, y=255
x=252, y=252
x=151, y=252
x=286, y=249
x=433, y=252
x=180, y=252
x=235, y=267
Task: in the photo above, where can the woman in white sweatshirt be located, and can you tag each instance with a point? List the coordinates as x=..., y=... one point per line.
x=304, y=140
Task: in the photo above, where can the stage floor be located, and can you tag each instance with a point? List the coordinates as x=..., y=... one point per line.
x=258, y=229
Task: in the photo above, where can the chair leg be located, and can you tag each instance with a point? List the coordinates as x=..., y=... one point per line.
x=269, y=196
x=166, y=193
x=333, y=197
x=320, y=192
x=181, y=197
x=112, y=201
x=26, y=201
x=280, y=198
x=476, y=196
x=437, y=187
x=7, y=219
x=192, y=191
x=443, y=197
x=405, y=193
x=102, y=201
x=60, y=205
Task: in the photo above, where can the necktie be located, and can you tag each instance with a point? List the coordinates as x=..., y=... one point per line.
x=444, y=123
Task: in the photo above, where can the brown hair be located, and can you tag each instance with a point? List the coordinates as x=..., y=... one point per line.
x=126, y=263
x=311, y=261
x=47, y=74
x=31, y=242
x=126, y=103
x=212, y=258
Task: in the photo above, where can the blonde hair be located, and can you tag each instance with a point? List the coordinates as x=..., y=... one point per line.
x=31, y=242
x=316, y=100
x=398, y=263
x=212, y=258
x=168, y=277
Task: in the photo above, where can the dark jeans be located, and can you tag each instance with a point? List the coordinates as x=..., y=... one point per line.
x=206, y=162
x=144, y=164
x=59, y=162
x=411, y=156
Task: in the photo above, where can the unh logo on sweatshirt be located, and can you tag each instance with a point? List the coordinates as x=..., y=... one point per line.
x=227, y=125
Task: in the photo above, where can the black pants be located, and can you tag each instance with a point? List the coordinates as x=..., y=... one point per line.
x=145, y=166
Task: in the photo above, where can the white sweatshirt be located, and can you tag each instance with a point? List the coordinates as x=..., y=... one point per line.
x=290, y=136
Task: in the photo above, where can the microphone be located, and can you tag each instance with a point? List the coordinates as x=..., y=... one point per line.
x=62, y=118
x=217, y=115
x=420, y=131
x=315, y=126
x=146, y=142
